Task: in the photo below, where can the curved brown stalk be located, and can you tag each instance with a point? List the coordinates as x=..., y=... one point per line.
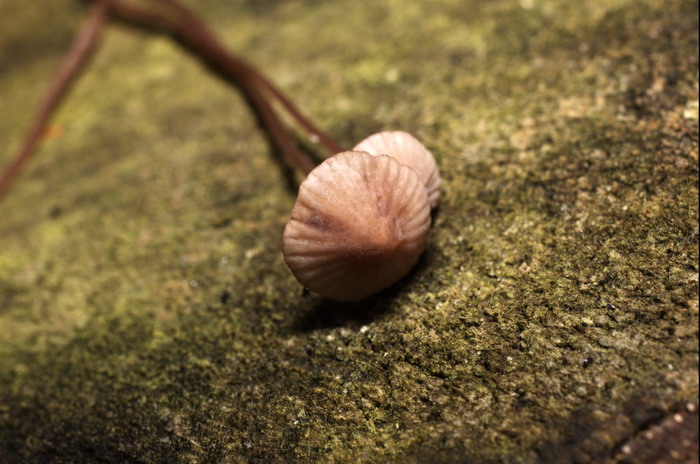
x=284, y=141
x=79, y=52
x=197, y=38
x=194, y=35
x=190, y=21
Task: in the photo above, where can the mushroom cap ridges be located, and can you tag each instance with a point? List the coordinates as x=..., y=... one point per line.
x=359, y=224
x=409, y=151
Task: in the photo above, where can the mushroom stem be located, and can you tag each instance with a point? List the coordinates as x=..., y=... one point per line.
x=284, y=141
x=189, y=21
x=195, y=36
x=79, y=52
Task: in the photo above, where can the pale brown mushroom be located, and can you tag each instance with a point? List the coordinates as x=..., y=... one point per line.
x=409, y=151
x=359, y=224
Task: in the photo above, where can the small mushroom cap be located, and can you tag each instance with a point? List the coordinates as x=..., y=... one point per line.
x=359, y=224
x=409, y=151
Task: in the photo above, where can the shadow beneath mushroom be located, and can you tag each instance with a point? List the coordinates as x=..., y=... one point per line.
x=434, y=215
x=329, y=314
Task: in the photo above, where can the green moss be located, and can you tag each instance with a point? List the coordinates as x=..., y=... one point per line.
x=147, y=312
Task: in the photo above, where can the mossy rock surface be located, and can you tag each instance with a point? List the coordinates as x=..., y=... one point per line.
x=146, y=312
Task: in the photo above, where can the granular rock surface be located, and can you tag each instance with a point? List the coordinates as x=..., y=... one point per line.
x=147, y=313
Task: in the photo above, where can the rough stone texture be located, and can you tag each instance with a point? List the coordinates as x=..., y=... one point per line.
x=146, y=311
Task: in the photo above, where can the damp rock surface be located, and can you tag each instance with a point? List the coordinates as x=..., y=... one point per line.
x=147, y=313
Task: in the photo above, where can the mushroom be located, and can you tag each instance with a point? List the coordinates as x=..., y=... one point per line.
x=361, y=219
x=409, y=151
x=359, y=224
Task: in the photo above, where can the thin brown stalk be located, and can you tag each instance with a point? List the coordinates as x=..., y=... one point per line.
x=284, y=141
x=190, y=21
x=83, y=45
x=192, y=33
